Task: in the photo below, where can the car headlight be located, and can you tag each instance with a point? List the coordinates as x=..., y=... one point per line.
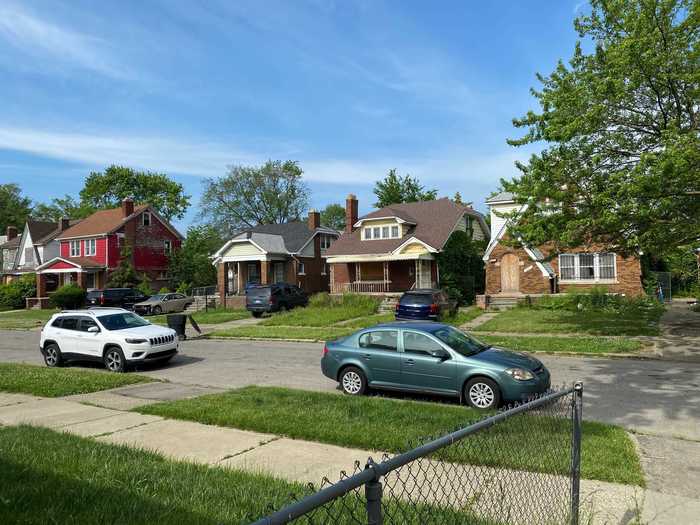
x=136, y=341
x=520, y=374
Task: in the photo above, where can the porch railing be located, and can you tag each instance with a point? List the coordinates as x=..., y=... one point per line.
x=363, y=287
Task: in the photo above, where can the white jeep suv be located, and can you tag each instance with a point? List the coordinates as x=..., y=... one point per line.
x=113, y=336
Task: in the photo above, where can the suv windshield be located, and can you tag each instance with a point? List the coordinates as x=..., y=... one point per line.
x=94, y=294
x=459, y=341
x=122, y=321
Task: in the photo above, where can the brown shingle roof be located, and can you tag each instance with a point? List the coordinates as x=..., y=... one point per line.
x=100, y=223
x=434, y=222
x=40, y=229
x=51, y=236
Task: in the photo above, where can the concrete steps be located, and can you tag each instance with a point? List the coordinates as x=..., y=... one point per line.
x=503, y=302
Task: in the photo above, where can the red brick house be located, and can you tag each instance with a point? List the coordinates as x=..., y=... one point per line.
x=292, y=252
x=92, y=248
x=515, y=272
x=394, y=249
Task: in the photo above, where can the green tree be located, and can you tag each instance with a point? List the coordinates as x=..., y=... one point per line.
x=394, y=189
x=60, y=207
x=107, y=189
x=14, y=207
x=250, y=195
x=622, y=157
x=333, y=216
x=191, y=263
x=124, y=275
x=461, y=266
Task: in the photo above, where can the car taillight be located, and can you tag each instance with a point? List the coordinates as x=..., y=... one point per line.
x=325, y=350
x=397, y=307
x=102, y=299
x=434, y=308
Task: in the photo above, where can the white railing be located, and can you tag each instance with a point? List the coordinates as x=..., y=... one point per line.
x=368, y=287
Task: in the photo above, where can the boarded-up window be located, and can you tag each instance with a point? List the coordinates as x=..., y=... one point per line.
x=28, y=255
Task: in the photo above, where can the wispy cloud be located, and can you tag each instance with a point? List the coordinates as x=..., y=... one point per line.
x=50, y=43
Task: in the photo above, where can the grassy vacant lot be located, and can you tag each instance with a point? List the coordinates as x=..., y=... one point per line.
x=311, y=333
x=49, y=477
x=213, y=316
x=389, y=425
x=56, y=382
x=326, y=311
x=630, y=322
x=24, y=319
x=579, y=345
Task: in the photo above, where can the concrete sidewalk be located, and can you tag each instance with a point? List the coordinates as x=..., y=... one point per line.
x=309, y=462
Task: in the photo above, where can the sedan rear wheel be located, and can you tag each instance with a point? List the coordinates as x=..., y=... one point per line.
x=482, y=393
x=157, y=310
x=353, y=381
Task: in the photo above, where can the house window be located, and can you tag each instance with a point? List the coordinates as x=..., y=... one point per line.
x=90, y=280
x=301, y=269
x=326, y=241
x=75, y=248
x=324, y=268
x=163, y=275
x=28, y=255
x=146, y=218
x=90, y=247
x=385, y=232
x=395, y=232
x=587, y=267
x=377, y=232
x=253, y=273
x=368, y=234
x=382, y=232
x=168, y=246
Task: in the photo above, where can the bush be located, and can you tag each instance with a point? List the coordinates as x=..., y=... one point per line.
x=69, y=296
x=597, y=299
x=13, y=295
x=164, y=290
x=320, y=300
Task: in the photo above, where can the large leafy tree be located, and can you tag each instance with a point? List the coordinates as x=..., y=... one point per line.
x=60, y=207
x=191, y=263
x=250, y=195
x=333, y=216
x=621, y=126
x=394, y=189
x=108, y=188
x=14, y=207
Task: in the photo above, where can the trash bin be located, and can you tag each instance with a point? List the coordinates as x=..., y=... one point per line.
x=178, y=322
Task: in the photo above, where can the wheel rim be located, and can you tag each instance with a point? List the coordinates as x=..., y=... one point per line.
x=481, y=395
x=157, y=310
x=352, y=382
x=114, y=361
x=51, y=356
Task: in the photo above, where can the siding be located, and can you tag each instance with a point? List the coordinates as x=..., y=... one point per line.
x=242, y=249
x=497, y=222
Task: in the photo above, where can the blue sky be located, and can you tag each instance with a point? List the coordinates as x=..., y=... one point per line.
x=350, y=89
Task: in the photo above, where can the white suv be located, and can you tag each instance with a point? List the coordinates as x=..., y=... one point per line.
x=113, y=336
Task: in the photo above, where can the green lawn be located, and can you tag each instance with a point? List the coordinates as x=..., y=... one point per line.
x=525, y=442
x=56, y=382
x=24, y=319
x=213, y=316
x=579, y=345
x=533, y=320
x=324, y=315
x=464, y=316
x=310, y=333
x=50, y=477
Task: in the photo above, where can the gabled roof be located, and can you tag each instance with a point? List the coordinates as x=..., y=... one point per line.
x=432, y=222
x=12, y=243
x=77, y=262
x=51, y=236
x=504, y=196
x=104, y=222
x=40, y=229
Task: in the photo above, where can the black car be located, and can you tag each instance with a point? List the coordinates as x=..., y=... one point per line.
x=117, y=297
x=425, y=305
x=274, y=298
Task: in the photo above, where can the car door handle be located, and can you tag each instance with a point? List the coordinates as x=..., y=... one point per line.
x=410, y=362
x=367, y=356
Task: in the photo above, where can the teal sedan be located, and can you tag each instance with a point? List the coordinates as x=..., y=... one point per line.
x=432, y=358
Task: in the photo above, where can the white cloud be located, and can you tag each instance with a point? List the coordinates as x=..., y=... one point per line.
x=45, y=40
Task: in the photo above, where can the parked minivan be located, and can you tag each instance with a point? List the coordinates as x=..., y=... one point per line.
x=274, y=298
x=425, y=305
x=119, y=297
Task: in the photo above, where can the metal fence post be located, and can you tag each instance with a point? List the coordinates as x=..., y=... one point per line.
x=373, y=495
x=576, y=452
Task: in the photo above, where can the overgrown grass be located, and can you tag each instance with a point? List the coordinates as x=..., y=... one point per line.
x=630, y=322
x=56, y=382
x=24, y=319
x=50, y=477
x=579, y=345
x=213, y=316
x=464, y=316
x=310, y=333
x=390, y=425
x=324, y=310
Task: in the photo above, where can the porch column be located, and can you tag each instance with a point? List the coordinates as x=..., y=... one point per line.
x=239, y=278
x=81, y=280
x=221, y=279
x=386, y=276
x=40, y=285
x=264, y=271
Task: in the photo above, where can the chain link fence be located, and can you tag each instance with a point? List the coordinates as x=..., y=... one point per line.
x=520, y=466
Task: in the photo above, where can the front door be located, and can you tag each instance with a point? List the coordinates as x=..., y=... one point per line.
x=279, y=272
x=380, y=352
x=510, y=273
x=422, y=371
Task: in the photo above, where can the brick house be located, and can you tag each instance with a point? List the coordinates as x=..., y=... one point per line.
x=515, y=272
x=89, y=250
x=293, y=252
x=8, y=252
x=394, y=249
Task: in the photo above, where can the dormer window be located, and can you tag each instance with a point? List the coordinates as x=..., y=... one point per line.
x=390, y=231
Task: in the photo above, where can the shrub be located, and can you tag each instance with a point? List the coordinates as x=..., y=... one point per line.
x=320, y=300
x=354, y=300
x=68, y=296
x=164, y=290
x=183, y=288
x=13, y=295
x=597, y=299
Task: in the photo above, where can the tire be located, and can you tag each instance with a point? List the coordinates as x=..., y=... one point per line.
x=257, y=315
x=114, y=360
x=482, y=393
x=282, y=308
x=52, y=356
x=353, y=381
x=157, y=310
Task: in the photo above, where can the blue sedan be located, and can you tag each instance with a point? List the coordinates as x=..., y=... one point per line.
x=432, y=358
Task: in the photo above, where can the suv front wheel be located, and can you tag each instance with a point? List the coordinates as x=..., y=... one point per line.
x=114, y=360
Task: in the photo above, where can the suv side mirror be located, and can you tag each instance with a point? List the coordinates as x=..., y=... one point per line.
x=94, y=329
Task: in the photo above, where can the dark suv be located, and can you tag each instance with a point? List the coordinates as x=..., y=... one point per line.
x=274, y=298
x=425, y=305
x=119, y=297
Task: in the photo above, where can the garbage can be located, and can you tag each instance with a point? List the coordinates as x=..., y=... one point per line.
x=178, y=322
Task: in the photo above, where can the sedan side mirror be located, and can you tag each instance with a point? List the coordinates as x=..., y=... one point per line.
x=94, y=329
x=440, y=354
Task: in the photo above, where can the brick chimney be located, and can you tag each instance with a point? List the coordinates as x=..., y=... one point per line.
x=11, y=232
x=350, y=212
x=64, y=224
x=314, y=219
x=127, y=207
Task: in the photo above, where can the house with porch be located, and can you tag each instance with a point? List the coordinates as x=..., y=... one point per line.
x=394, y=249
x=89, y=250
x=293, y=252
x=513, y=272
x=8, y=251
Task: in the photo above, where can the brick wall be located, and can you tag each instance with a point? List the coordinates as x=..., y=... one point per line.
x=531, y=279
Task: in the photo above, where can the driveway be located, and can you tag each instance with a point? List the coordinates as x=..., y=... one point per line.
x=659, y=400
